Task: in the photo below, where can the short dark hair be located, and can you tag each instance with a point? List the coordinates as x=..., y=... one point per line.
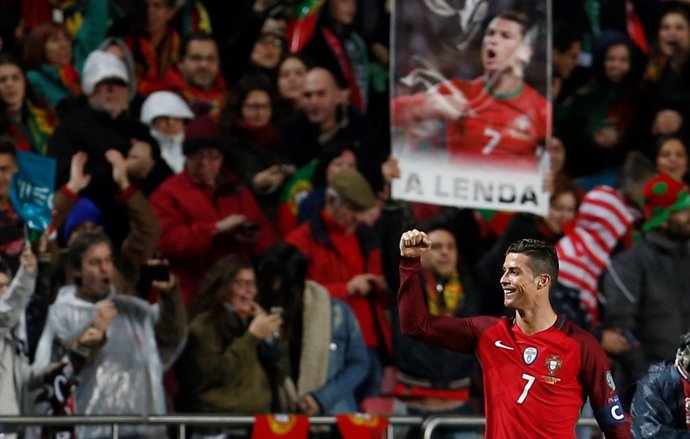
x=82, y=244
x=565, y=34
x=7, y=146
x=196, y=36
x=329, y=152
x=636, y=170
x=542, y=257
x=520, y=18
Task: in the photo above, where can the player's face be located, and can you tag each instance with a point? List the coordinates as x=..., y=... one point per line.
x=502, y=41
x=442, y=258
x=518, y=282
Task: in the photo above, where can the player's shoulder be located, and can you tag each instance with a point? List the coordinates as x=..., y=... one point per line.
x=532, y=93
x=584, y=338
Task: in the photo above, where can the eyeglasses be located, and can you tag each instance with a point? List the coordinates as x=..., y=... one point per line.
x=244, y=283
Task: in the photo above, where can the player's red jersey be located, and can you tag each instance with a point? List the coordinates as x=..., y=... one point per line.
x=534, y=385
x=502, y=127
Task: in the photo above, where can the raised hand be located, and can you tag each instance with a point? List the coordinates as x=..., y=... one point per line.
x=119, y=163
x=414, y=243
x=104, y=316
x=28, y=259
x=139, y=159
x=78, y=180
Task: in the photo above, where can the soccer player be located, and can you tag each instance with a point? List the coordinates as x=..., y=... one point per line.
x=538, y=368
x=496, y=115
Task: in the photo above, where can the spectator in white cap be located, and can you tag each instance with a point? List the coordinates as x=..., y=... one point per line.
x=104, y=125
x=105, y=82
x=166, y=114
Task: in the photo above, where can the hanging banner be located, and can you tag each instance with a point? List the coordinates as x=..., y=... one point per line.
x=469, y=112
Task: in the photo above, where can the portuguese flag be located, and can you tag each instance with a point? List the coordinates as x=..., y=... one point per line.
x=302, y=24
x=362, y=426
x=294, y=191
x=281, y=426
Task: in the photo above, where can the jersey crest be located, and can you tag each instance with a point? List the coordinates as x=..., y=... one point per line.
x=529, y=355
x=553, y=363
x=609, y=380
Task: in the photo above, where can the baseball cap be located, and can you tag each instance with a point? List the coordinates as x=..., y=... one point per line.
x=354, y=188
x=100, y=66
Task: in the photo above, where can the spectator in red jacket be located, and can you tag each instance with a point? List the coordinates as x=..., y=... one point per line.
x=345, y=257
x=205, y=211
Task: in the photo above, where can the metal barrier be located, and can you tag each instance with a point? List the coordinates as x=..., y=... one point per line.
x=431, y=423
x=180, y=421
x=428, y=425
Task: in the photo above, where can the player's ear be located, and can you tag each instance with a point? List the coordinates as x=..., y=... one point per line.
x=543, y=281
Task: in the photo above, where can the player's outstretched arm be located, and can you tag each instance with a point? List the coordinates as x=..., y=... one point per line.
x=452, y=333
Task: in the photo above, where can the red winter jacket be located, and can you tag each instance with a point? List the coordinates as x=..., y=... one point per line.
x=335, y=257
x=188, y=214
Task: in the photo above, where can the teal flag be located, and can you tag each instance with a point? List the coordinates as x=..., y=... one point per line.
x=32, y=188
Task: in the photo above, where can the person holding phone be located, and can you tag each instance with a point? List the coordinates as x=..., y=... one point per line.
x=230, y=344
x=206, y=212
x=114, y=341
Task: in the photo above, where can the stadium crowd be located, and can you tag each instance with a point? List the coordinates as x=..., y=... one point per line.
x=223, y=237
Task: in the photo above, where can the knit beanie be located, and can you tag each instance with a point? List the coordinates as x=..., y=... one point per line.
x=661, y=196
x=84, y=210
x=202, y=133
